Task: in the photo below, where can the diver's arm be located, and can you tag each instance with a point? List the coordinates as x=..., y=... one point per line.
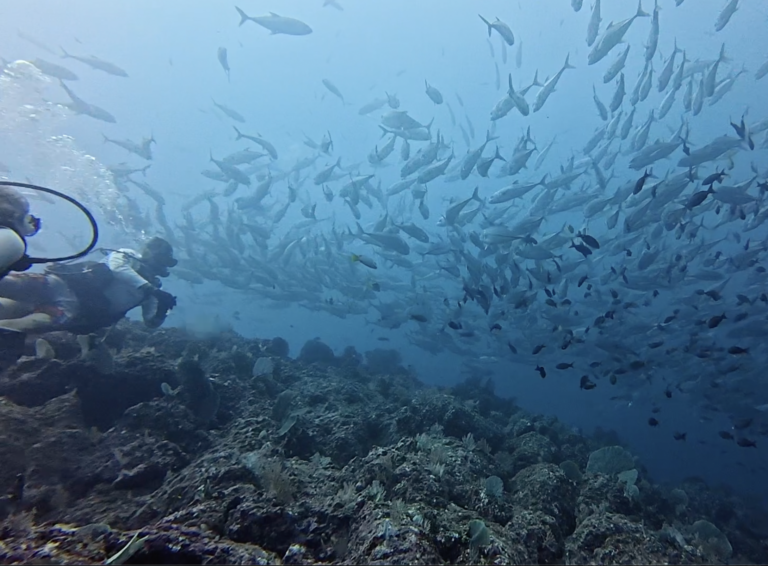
x=12, y=249
x=120, y=264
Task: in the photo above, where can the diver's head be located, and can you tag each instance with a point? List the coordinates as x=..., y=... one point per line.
x=14, y=212
x=157, y=255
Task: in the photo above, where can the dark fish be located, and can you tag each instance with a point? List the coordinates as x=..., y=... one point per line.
x=697, y=198
x=455, y=325
x=586, y=383
x=594, y=365
x=582, y=249
x=419, y=317
x=715, y=321
x=714, y=178
x=746, y=443
x=542, y=371
x=742, y=423
x=496, y=328
x=589, y=240
x=725, y=435
x=653, y=422
x=738, y=350
x=538, y=348
x=680, y=435
x=563, y=365
x=641, y=182
x=512, y=347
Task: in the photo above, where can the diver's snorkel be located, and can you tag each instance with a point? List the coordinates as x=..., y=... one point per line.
x=33, y=225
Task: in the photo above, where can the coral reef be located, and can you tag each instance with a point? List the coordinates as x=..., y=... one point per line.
x=180, y=446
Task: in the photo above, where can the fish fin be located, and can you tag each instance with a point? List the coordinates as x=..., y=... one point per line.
x=66, y=55
x=476, y=196
x=640, y=12
x=239, y=135
x=567, y=64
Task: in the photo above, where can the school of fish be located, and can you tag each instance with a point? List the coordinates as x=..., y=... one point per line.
x=557, y=268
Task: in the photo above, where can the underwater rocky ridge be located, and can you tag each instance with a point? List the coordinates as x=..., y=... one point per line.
x=158, y=447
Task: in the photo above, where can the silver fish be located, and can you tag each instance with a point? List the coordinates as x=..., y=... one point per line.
x=276, y=24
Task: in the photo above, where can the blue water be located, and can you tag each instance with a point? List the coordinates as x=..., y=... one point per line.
x=169, y=50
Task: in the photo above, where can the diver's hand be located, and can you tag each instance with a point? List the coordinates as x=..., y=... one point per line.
x=165, y=301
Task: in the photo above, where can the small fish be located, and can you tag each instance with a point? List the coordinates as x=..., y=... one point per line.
x=433, y=94
x=746, y=443
x=563, y=365
x=501, y=28
x=418, y=317
x=716, y=177
x=589, y=240
x=586, y=383
x=680, y=436
x=582, y=249
x=738, y=350
x=511, y=347
x=98, y=64
x=538, y=349
x=653, y=421
x=641, y=182
x=333, y=89
x=725, y=435
x=542, y=371
x=276, y=24
x=236, y=116
x=715, y=321
x=455, y=325
x=366, y=261
x=221, y=54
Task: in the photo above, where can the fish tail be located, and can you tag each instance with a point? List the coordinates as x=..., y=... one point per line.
x=498, y=155
x=486, y=22
x=66, y=55
x=567, y=64
x=243, y=16
x=723, y=58
x=640, y=12
x=239, y=135
x=476, y=196
x=355, y=257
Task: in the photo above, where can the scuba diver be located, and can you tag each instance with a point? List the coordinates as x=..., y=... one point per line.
x=81, y=297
